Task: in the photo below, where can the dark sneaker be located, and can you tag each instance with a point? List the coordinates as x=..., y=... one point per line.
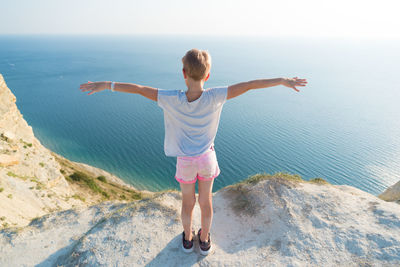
x=187, y=245
x=205, y=247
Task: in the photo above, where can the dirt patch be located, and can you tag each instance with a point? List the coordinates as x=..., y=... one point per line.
x=242, y=200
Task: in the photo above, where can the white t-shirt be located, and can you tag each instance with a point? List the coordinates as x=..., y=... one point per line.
x=190, y=127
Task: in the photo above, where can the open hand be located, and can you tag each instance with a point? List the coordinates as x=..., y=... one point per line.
x=94, y=86
x=293, y=82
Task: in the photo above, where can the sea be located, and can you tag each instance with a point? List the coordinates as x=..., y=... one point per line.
x=344, y=126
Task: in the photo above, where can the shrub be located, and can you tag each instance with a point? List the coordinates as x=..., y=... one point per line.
x=3, y=137
x=92, y=185
x=102, y=178
x=79, y=197
x=254, y=179
x=81, y=176
x=78, y=176
x=105, y=194
x=11, y=174
x=318, y=180
x=1, y=189
x=137, y=195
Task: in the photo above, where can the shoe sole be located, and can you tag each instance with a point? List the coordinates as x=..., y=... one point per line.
x=207, y=252
x=187, y=250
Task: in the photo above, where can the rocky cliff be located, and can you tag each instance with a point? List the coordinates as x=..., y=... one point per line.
x=35, y=181
x=392, y=193
x=85, y=216
x=268, y=220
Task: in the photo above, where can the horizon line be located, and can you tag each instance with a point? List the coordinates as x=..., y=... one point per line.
x=355, y=38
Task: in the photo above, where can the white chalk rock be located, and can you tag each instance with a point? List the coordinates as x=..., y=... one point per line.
x=392, y=193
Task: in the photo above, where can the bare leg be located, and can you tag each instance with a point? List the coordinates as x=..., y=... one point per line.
x=188, y=202
x=205, y=201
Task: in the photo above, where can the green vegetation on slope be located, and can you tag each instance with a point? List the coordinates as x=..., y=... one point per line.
x=87, y=183
x=107, y=190
x=256, y=178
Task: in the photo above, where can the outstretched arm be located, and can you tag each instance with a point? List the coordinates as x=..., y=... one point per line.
x=240, y=88
x=146, y=91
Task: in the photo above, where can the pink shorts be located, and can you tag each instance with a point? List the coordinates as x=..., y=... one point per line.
x=205, y=167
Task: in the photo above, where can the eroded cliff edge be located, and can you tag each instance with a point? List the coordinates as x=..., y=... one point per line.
x=35, y=181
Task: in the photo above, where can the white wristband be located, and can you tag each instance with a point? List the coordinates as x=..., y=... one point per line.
x=112, y=86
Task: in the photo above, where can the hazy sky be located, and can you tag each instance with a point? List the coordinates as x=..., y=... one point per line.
x=336, y=18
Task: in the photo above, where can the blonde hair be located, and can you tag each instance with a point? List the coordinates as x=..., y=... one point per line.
x=197, y=63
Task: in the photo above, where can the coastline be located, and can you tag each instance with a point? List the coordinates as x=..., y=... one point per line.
x=35, y=181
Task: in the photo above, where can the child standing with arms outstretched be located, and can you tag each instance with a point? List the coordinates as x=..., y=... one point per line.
x=191, y=120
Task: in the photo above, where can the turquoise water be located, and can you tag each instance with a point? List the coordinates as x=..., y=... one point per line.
x=343, y=126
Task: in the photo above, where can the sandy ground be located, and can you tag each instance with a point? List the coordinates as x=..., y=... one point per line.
x=275, y=222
